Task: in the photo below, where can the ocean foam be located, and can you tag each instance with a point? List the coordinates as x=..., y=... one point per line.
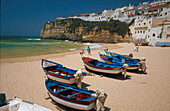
x=73, y=49
x=33, y=39
x=93, y=45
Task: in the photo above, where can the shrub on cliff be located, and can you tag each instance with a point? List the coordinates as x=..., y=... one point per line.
x=113, y=26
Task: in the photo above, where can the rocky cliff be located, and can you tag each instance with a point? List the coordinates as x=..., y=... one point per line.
x=79, y=30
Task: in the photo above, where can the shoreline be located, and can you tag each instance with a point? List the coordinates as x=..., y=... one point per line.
x=38, y=57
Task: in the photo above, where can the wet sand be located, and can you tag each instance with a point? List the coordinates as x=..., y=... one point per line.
x=24, y=78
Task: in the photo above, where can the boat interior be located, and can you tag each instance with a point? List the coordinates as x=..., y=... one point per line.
x=104, y=64
x=69, y=93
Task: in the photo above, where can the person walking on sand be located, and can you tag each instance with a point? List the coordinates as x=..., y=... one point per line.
x=137, y=48
x=88, y=50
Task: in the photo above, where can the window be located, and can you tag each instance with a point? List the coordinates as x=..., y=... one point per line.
x=153, y=35
x=143, y=31
x=165, y=13
x=139, y=24
x=148, y=36
x=144, y=23
x=149, y=30
x=168, y=29
x=149, y=22
x=140, y=31
x=135, y=32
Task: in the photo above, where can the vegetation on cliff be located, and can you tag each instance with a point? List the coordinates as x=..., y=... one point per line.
x=86, y=31
x=113, y=26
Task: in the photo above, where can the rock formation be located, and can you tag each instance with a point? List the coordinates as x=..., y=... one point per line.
x=83, y=31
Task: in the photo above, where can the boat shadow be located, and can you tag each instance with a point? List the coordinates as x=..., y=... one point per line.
x=84, y=85
x=136, y=72
x=113, y=76
x=61, y=107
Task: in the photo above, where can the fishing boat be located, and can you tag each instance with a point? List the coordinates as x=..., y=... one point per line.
x=122, y=57
x=114, y=60
x=58, y=72
x=115, y=54
x=69, y=95
x=102, y=67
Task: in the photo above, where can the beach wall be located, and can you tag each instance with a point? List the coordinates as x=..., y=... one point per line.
x=78, y=30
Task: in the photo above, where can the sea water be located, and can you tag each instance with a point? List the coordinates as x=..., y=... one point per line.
x=13, y=47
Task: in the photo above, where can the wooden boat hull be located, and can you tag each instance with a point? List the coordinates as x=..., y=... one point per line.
x=72, y=105
x=70, y=81
x=105, y=58
x=64, y=95
x=104, y=71
x=101, y=69
x=58, y=72
x=120, y=57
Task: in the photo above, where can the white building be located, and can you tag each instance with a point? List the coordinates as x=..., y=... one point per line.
x=149, y=29
x=90, y=17
x=131, y=10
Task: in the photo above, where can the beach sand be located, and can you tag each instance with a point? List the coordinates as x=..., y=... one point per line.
x=24, y=78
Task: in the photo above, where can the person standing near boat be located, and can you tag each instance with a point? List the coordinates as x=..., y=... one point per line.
x=88, y=50
x=106, y=49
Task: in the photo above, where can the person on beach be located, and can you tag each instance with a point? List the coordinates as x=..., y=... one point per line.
x=82, y=51
x=143, y=65
x=137, y=48
x=88, y=50
x=106, y=49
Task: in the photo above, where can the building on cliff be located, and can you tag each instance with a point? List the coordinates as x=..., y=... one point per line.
x=149, y=29
x=90, y=17
x=148, y=22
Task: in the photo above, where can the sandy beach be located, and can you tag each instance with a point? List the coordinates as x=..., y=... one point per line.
x=24, y=78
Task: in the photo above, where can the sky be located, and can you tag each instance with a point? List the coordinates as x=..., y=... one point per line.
x=28, y=17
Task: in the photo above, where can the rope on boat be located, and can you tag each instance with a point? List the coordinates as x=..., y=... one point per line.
x=125, y=66
x=78, y=77
x=101, y=97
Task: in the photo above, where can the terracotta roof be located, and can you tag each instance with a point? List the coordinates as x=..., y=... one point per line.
x=131, y=14
x=158, y=6
x=131, y=9
x=148, y=18
x=141, y=4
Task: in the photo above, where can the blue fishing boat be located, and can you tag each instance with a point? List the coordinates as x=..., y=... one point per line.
x=114, y=60
x=58, y=72
x=69, y=95
x=120, y=57
x=102, y=67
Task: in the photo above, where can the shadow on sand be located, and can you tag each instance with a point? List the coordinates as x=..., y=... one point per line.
x=136, y=72
x=60, y=107
x=114, y=76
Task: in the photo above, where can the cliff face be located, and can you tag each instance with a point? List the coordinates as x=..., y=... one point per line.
x=78, y=30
